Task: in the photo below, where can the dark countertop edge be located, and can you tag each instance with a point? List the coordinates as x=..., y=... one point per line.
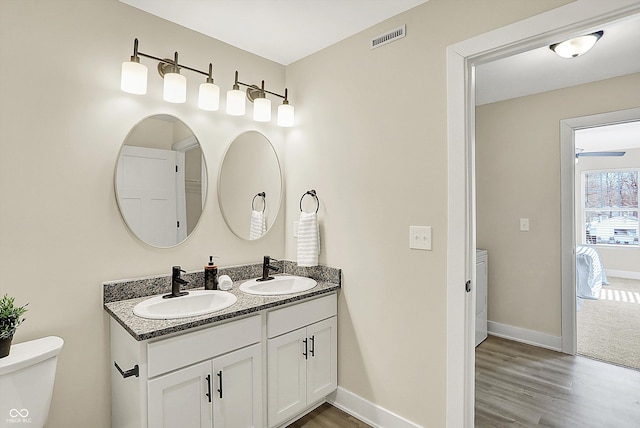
x=216, y=318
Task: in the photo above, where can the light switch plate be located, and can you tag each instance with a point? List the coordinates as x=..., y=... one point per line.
x=524, y=224
x=420, y=237
x=295, y=228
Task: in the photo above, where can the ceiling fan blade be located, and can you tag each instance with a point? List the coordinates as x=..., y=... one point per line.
x=581, y=154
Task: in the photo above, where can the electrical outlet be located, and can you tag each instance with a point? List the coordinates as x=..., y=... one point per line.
x=295, y=228
x=420, y=237
x=524, y=224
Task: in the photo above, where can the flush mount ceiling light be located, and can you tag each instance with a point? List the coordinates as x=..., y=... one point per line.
x=577, y=46
x=134, y=81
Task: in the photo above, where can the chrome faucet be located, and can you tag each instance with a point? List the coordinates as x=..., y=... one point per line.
x=266, y=267
x=176, y=282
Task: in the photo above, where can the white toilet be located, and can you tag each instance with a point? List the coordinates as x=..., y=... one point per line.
x=26, y=382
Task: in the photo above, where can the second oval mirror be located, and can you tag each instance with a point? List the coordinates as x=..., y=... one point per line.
x=250, y=185
x=161, y=180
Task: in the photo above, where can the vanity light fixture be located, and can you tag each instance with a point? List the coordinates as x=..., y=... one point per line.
x=175, y=84
x=577, y=46
x=134, y=79
x=261, y=104
x=235, y=100
x=209, y=93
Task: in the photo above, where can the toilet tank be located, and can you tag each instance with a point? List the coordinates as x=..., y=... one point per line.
x=26, y=382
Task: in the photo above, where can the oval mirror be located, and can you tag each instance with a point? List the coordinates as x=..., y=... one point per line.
x=160, y=181
x=250, y=185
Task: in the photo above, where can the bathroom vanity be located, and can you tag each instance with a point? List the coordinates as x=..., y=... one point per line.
x=263, y=362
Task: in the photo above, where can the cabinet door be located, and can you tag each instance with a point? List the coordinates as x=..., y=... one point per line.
x=178, y=399
x=287, y=376
x=322, y=369
x=237, y=390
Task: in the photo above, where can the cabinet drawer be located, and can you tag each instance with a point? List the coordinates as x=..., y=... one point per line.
x=292, y=317
x=180, y=351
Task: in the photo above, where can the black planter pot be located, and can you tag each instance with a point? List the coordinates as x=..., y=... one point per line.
x=5, y=346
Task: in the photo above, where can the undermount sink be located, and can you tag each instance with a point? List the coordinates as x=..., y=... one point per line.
x=197, y=302
x=285, y=284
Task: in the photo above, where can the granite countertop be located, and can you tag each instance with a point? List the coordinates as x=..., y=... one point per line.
x=121, y=309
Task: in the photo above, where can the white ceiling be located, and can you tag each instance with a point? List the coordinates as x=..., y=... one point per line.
x=622, y=136
x=617, y=53
x=283, y=31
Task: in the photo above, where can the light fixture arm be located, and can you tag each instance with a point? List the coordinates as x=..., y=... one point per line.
x=174, y=63
x=262, y=89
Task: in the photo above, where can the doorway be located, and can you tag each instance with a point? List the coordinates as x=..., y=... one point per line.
x=606, y=309
x=461, y=59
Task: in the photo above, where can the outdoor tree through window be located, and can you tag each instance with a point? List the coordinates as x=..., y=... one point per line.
x=610, y=204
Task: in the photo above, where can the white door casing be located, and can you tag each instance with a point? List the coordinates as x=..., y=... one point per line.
x=546, y=28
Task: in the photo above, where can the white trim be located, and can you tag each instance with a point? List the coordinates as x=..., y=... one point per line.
x=546, y=28
x=623, y=274
x=366, y=411
x=523, y=335
x=568, y=216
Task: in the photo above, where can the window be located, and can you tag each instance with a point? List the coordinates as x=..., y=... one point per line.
x=610, y=207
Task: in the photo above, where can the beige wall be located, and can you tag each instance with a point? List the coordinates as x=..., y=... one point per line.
x=372, y=140
x=62, y=121
x=518, y=175
x=614, y=258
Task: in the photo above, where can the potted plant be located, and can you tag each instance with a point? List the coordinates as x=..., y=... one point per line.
x=10, y=319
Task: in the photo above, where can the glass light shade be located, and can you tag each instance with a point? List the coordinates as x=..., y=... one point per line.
x=575, y=47
x=285, y=115
x=209, y=97
x=175, y=88
x=133, y=78
x=262, y=110
x=235, y=102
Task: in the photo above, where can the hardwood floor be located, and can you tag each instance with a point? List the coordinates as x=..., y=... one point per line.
x=519, y=385
x=327, y=416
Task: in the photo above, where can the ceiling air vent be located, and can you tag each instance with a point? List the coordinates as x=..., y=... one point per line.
x=389, y=37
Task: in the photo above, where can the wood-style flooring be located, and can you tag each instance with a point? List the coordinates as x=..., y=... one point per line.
x=518, y=385
x=327, y=416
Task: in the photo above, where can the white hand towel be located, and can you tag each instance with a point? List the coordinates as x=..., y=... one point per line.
x=258, y=225
x=308, y=239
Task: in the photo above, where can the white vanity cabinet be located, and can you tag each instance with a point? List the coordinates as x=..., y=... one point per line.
x=206, y=378
x=301, y=357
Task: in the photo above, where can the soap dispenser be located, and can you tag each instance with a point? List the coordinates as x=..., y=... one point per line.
x=211, y=275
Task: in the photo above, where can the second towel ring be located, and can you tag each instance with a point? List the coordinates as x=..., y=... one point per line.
x=312, y=193
x=264, y=201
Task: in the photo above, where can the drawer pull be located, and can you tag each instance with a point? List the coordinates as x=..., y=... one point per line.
x=313, y=346
x=305, y=353
x=135, y=371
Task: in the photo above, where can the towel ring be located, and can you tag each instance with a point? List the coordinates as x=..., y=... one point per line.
x=264, y=201
x=312, y=193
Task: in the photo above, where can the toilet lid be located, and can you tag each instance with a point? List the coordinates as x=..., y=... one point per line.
x=28, y=353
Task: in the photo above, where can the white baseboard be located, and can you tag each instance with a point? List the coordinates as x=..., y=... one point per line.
x=530, y=337
x=623, y=274
x=367, y=411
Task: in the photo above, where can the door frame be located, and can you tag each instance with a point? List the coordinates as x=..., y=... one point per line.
x=564, y=22
x=568, y=227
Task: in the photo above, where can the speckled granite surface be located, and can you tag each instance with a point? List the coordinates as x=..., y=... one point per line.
x=121, y=296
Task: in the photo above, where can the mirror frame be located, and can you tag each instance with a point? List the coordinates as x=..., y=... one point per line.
x=277, y=205
x=203, y=182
